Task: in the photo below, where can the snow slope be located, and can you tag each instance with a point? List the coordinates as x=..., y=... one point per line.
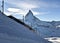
x=43, y=28
x=13, y=32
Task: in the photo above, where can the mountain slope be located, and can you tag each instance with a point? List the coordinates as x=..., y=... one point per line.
x=19, y=21
x=32, y=20
x=13, y=32
x=45, y=29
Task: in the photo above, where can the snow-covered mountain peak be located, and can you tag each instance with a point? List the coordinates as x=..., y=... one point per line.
x=44, y=28
x=29, y=14
x=32, y=20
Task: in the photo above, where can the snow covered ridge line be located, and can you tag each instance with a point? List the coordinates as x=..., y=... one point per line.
x=19, y=21
x=6, y=38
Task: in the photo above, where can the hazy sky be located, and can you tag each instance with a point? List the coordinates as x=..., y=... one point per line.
x=46, y=10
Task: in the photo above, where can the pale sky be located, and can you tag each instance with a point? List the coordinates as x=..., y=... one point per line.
x=46, y=10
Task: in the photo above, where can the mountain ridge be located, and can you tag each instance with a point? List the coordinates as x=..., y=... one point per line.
x=45, y=29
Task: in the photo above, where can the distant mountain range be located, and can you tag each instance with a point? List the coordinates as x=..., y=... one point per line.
x=44, y=28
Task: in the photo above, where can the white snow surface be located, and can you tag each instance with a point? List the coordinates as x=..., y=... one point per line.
x=13, y=32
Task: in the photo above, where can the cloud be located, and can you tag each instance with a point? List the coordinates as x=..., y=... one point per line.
x=22, y=6
x=17, y=11
x=40, y=13
x=33, y=3
x=23, y=12
x=8, y=13
x=13, y=9
x=28, y=6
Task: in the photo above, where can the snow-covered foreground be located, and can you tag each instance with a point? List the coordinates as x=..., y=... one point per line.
x=4, y=38
x=13, y=32
x=53, y=39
